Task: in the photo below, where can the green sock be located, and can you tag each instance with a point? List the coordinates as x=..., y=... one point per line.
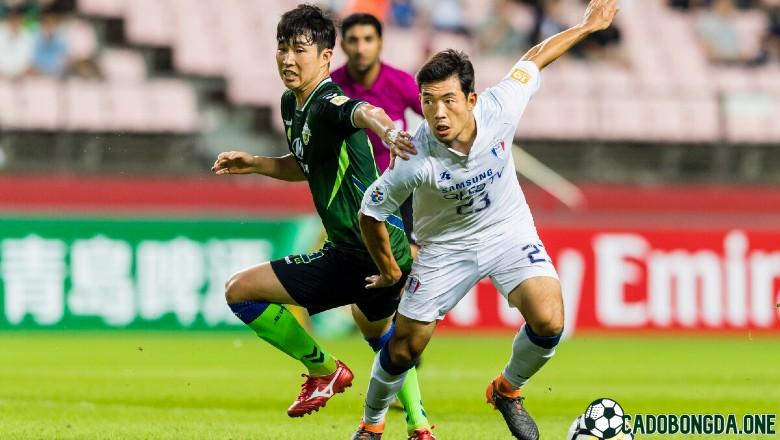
x=278, y=327
x=409, y=396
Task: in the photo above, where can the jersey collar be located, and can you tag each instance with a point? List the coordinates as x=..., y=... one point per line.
x=313, y=92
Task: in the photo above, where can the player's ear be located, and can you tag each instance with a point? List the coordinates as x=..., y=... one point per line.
x=326, y=55
x=471, y=100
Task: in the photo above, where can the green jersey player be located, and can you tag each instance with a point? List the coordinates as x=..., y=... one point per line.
x=329, y=150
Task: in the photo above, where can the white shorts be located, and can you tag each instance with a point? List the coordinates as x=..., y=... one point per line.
x=440, y=278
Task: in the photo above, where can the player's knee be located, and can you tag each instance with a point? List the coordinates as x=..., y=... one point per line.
x=404, y=353
x=235, y=289
x=549, y=325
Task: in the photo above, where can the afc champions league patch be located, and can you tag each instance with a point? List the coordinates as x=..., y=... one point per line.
x=377, y=196
x=520, y=75
x=412, y=284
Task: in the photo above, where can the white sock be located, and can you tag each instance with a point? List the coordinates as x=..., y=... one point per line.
x=527, y=358
x=382, y=389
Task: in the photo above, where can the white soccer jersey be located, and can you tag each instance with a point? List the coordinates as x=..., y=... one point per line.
x=461, y=201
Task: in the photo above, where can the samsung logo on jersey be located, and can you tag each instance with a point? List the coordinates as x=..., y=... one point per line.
x=469, y=182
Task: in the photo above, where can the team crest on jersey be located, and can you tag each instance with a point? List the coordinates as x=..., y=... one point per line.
x=306, y=133
x=339, y=100
x=498, y=149
x=377, y=196
x=412, y=285
x=444, y=176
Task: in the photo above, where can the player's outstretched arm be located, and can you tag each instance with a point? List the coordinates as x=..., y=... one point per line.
x=598, y=16
x=239, y=162
x=376, y=120
x=377, y=241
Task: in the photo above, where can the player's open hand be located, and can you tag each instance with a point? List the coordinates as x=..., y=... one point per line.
x=380, y=281
x=400, y=144
x=234, y=162
x=599, y=14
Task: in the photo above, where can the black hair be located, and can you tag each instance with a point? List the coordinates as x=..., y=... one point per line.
x=308, y=22
x=446, y=64
x=358, y=19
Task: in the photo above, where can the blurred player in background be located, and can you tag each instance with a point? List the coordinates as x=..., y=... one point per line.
x=366, y=77
x=330, y=150
x=472, y=222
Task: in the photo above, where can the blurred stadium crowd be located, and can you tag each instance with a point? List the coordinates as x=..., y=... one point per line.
x=194, y=74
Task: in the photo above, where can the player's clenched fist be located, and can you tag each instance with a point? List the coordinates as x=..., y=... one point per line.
x=234, y=162
x=599, y=14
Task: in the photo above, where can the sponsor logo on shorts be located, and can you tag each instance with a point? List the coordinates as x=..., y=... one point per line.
x=412, y=285
x=520, y=75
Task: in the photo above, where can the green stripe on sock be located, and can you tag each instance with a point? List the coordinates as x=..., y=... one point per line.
x=409, y=396
x=278, y=327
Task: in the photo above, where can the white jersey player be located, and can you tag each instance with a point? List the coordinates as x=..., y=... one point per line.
x=471, y=221
x=471, y=218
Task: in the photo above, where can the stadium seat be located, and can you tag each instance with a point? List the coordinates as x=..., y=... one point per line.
x=751, y=26
x=148, y=22
x=611, y=80
x=40, y=107
x=622, y=119
x=122, y=65
x=701, y=119
x=9, y=107
x=175, y=106
x=102, y=8
x=491, y=70
x=734, y=80
x=558, y=118
x=403, y=50
x=446, y=40
x=81, y=39
x=85, y=106
x=769, y=80
x=751, y=118
x=129, y=106
x=569, y=78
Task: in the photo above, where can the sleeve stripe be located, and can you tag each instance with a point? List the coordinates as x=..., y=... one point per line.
x=358, y=183
x=352, y=114
x=395, y=221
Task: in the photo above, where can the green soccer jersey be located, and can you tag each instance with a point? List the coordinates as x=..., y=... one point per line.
x=338, y=162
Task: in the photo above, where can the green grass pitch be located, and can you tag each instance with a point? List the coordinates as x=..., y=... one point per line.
x=231, y=385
